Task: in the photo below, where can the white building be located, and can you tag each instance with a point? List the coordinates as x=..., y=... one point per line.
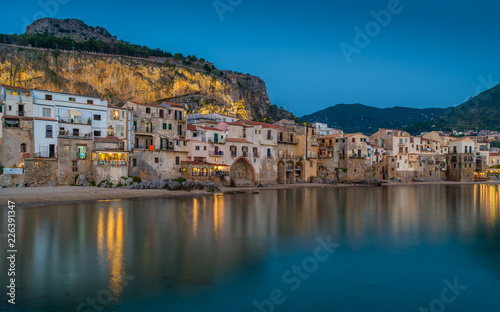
x=323, y=130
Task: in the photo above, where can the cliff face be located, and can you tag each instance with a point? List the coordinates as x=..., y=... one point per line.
x=119, y=79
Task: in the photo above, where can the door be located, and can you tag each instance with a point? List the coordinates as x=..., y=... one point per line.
x=52, y=151
x=21, y=110
x=216, y=138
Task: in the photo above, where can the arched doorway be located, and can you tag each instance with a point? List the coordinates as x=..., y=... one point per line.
x=242, y=172
x=281, y=173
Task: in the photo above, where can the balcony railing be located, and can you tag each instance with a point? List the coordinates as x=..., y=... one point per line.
x=20, y=113
x=121, y=163
x=216, y=153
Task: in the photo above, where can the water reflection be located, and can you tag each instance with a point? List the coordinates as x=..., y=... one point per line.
x=184, y=247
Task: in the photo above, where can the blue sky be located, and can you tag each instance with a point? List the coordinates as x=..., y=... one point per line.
x=429, y=54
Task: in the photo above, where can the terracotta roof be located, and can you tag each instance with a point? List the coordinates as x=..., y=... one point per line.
x=235, y=124
x=109, y=139
x=494, y=154
x=238, y=141
x=210, y=129
x=153, y=105
x=191, y=127
x=462, y=139
x=202, y=163
x=175, y=104
x=263, y=124
x=353, y=134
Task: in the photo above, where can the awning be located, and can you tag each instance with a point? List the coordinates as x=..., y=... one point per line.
x=74, y=113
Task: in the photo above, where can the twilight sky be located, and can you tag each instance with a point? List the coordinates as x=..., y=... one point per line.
x=426, y=53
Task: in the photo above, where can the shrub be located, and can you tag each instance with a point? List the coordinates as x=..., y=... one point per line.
x=180, y=180
x=136, y=179
x=119, y=185
x=92, y=183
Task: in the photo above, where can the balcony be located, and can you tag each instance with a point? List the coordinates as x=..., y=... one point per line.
x=216, y=153
x=219, y=141
x=120, y=163
x=314, y=143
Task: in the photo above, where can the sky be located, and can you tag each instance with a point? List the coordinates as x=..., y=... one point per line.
x=312, y=54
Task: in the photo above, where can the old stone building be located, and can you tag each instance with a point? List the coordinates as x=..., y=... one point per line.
x=460, y=160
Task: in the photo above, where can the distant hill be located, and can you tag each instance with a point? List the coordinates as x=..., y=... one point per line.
x=481, y=112
x=367, y=119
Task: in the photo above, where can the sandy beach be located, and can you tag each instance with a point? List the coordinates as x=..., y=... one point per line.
x=66, y=194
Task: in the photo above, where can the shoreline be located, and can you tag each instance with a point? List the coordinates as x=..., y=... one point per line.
x=41, y=196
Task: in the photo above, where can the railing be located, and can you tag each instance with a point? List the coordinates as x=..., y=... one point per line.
x=234, y=154
x=216, y=153
x=121, y=163
x=210, y=174
x=20, y=113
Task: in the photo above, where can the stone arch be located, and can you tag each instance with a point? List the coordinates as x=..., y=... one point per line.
x=242, y=169
x=300, y=170
x=281, y=173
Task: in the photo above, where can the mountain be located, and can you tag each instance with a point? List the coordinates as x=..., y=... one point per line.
x=74, y=29
x=69, y=56
x=481, y=112
x=367, y=119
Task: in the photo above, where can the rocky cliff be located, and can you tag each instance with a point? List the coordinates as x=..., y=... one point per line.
x=53, y=55
x=119, y=79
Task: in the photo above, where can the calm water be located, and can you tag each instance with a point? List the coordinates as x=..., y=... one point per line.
x=396, y=247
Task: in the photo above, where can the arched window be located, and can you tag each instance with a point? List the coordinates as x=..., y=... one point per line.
x=24, y=148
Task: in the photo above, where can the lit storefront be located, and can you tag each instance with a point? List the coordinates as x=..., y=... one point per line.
x=109, y=158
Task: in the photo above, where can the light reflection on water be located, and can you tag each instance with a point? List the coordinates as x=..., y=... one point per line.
x=225, y=251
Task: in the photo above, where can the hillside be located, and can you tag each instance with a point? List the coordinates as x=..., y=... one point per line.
x=481, y=112
x=74, y=29
x=367, y=119
x=119, y=71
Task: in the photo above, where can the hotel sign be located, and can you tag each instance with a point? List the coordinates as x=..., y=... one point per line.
x=13, y=171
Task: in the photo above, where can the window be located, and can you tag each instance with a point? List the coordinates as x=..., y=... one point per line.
x=1, y=108
x=148, y=110
x=90, y=101
x=204, y=148
x=169, y=126
x=76, y=132
x=46, y=112
x=75, y=166
x=177, y=161
x=185, y=143
x=10, y=107
x=179, y=130
x=120, y=131
x=48, y=131
x=48, y=97
x=255, y=152
x=157, y=160
x=82, y=151
x=24, y=149
x=162, y=113
x=197, y=148
x=269, y=135
x=72, y=99
x=134, y=162
x=97, y=117
x=178, y=143
x=268, y=152
x=97, y=133
x=135, y=125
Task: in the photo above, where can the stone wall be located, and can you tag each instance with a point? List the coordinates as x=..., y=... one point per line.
x=40, y=172
x=67, y=154
x=148, y=169
x=110, y=173
x=460, y=167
